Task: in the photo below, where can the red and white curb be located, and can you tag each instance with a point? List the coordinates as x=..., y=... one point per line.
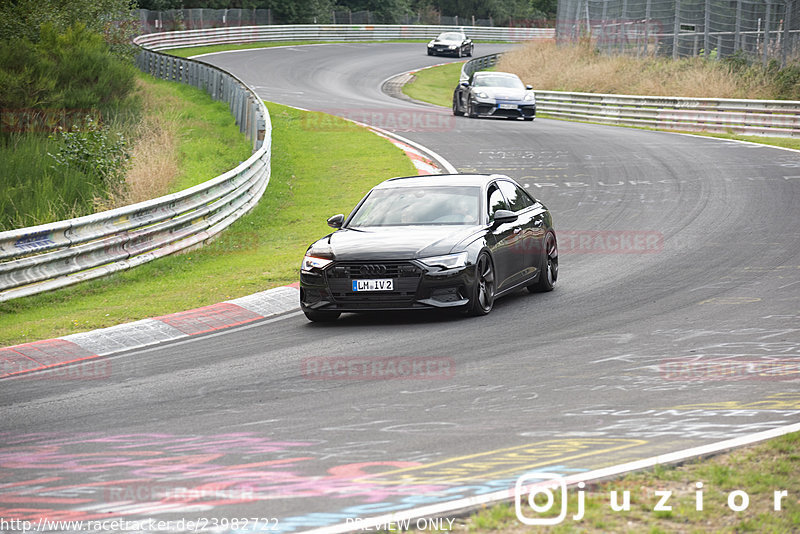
x=421, y=162
x=39, y=355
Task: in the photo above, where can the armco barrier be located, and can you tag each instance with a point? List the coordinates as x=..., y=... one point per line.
x=321, y=32
x=777, y=118
x=59, y=254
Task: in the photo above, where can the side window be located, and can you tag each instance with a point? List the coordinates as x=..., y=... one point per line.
x=495, y=201
x=518, y=199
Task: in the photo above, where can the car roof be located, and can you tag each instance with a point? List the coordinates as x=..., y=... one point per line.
x=441, y=180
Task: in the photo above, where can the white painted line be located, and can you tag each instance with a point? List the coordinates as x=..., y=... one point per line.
x=440, y=509
x=427, y=151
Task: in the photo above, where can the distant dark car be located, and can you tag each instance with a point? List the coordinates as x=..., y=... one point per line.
x=451, y=43
x=494, y=94
x=423, y=242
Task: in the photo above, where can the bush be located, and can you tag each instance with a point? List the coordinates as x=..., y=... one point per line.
x=74, y=70
x=94, y=151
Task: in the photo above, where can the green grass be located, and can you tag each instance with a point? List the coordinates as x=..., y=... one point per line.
x=316, y=172
x=209, y=141
x=758, y=470
x=35, y=190
x=435, y=85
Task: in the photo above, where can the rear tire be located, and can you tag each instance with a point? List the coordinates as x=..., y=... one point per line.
x=548, y=266
x=481, y=301
x=317, y=316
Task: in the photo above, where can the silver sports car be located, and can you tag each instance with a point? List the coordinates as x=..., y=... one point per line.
x=494, y=94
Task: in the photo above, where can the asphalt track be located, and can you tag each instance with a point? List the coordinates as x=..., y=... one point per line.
x=246, y=423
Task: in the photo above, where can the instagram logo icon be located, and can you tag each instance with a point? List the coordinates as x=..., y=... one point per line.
x=533, y=494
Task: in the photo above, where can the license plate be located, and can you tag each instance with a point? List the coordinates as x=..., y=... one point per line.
x=384, y=284
x=507, y=106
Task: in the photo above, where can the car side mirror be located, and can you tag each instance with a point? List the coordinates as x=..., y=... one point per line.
x=464, y=84
x=504, y=216
x=336, y=221
x=528, y=87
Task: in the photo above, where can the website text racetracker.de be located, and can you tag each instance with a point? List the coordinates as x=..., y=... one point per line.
x=248, y=524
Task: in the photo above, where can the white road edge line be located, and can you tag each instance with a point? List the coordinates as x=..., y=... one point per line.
x=437, y=510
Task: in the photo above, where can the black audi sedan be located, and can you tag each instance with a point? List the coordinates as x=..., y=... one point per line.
x=454, y=241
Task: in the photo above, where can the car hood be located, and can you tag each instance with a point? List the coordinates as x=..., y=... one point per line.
x=392, y=242
x=446, y=41
x=502, y=93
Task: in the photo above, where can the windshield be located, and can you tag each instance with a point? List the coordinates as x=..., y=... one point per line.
x=406, y=206
x=498, y=81
x=450, y=36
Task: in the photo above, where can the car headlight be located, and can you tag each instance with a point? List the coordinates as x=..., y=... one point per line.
x=530, y=96
x=313, y=262
x=481, y=94
x=448, y=261
x=430, y=45
x=453, y=47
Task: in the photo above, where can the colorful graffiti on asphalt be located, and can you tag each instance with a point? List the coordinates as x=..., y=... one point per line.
x=90, y=476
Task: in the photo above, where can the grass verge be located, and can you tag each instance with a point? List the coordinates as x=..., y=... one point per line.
x=316, y=172
x=759, y=471
x=434, y=85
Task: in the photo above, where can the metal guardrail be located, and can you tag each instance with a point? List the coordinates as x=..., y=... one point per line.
x=50, y=256
x=777, y=118
x=318, y=32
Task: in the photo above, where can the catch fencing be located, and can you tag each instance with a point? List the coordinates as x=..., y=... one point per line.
x=761, y=29
x=50, y=256
x=777, y=118
x=152, y=21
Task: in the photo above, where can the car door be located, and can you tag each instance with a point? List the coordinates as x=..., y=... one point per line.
x=530, y=221
x=508, y=263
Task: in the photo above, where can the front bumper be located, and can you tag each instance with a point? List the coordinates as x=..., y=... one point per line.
x=500, y=108
x=415, y=286
x=443, y=49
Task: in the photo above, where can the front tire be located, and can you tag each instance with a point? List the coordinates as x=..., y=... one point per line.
x=317, y=316
x=470, y=110
x=456, y=111
x=482, y=300
x=430, y=52
x=548, y=266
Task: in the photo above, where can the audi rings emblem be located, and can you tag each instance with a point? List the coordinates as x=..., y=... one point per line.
x=373, y=269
